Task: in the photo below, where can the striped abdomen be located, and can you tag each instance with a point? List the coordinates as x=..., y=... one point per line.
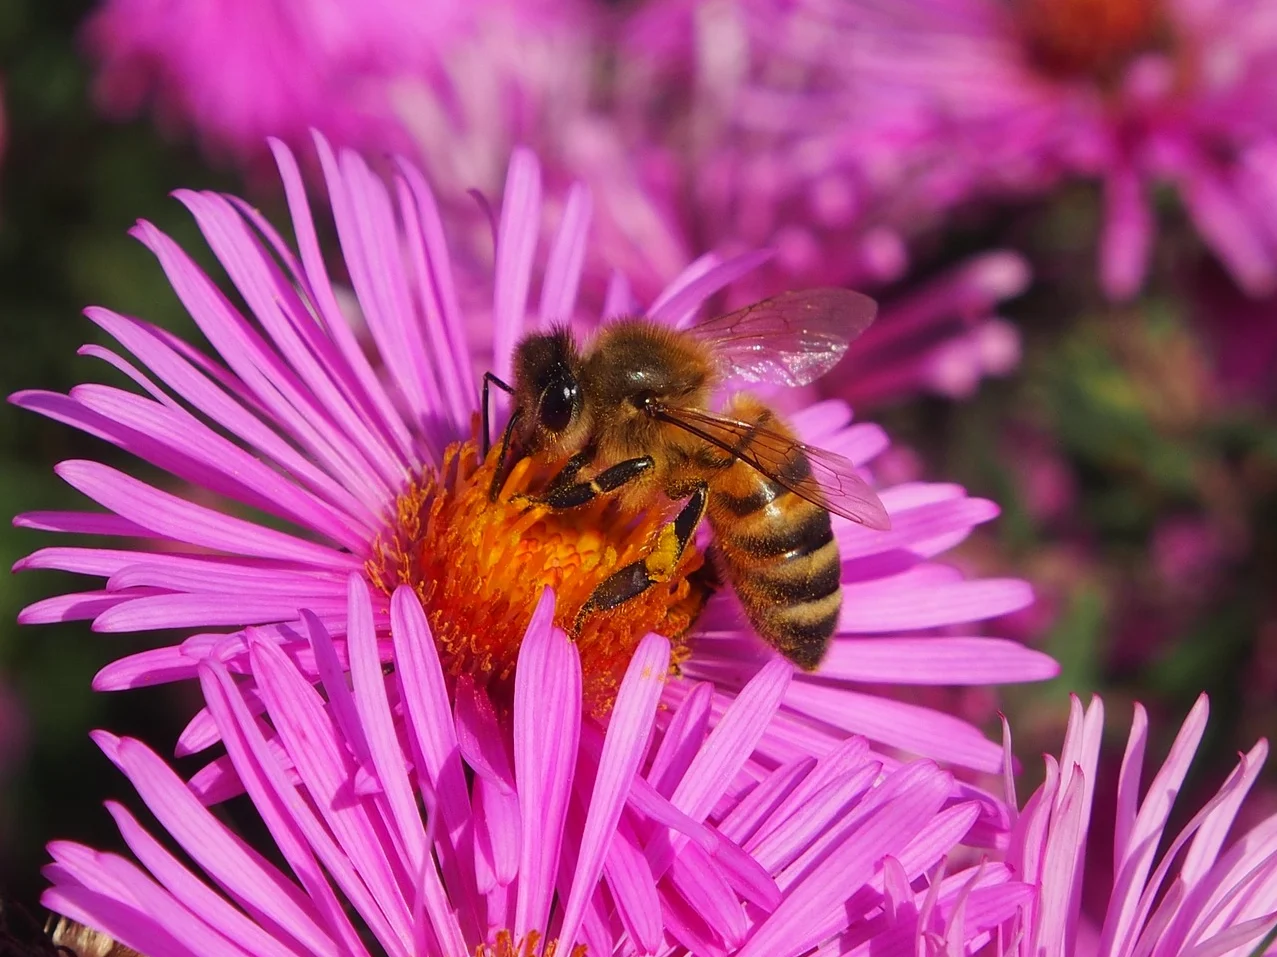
x=779, y=553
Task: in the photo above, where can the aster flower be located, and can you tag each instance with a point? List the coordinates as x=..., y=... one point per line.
x=320, y=466
x=982, y=97
x=541, y=836
x=370, y=75
x=1197, y=897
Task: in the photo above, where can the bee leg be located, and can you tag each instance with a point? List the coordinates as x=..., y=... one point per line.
x=657, y=566
x=573, y=494
x=571, y=468
x=499, y=476
x=488, y=377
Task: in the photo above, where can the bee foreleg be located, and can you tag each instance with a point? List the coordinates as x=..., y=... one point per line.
x=488, y=377
x=657, y=566
x=579, y=493
x=571, y=468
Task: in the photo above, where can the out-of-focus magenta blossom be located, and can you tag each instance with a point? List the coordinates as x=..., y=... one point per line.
x=542, y=834
x=1197, y=897
x=982, y=97
x=238, y=71
x=289, y=418
x=942, y=338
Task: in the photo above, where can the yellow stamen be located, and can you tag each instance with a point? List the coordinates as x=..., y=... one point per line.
x=479, y=568
x=507, y=946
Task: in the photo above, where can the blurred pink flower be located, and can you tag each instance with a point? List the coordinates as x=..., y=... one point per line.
x=541, y=834
x=1197, y=897
x=974, y=98
x=940, y=338
x=238, y=71
x=354, y=468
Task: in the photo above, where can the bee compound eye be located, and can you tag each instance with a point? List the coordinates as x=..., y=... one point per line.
x=557, y=404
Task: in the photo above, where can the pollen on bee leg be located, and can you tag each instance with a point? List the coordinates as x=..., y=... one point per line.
x=479, y=567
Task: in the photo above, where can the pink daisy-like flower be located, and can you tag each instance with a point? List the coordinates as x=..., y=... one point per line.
x=545, y=837
x=1196, y=898
x=369, y=75
x=982, y=97
x=370, y=467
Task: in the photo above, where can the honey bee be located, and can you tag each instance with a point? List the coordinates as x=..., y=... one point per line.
x=629, y=414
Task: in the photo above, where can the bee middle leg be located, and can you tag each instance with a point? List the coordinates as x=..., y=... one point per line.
x=563, y=494
x=655, y=567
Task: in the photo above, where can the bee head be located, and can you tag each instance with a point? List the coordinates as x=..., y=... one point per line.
x=548, y=389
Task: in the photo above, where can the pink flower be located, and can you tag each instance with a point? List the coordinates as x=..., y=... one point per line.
x=359, y=472
x=1196, y=897
x=238, y=71
x=982, y=97
x=541, y=832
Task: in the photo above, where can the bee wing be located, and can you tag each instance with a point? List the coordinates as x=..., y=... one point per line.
x=827, y=480
x=793, y=338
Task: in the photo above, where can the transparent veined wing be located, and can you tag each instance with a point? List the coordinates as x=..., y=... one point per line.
x=791, y=339
x=820, y=476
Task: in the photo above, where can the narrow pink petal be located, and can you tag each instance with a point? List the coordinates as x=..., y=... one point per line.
x=193, y=893
x=1058, y=907
x=629, y=732
x=167, y=515
x=263, y=891
x=940, y=660
x=1128, y=786
x=1221, y=217
x=782, y=845
x=374, y=714
x=890, y=605
x=122, y=922
x=912, y=727
x=1210, y=838
x=618, y=300
x=432, y=731
x=567, y=256
x=154, y=667
x=516, y=246
x=1126, y=235
x=289, y=820
x=679, y=309
x=634, y=889
x=750, y=814
x=1128, y=883
x=206, y=611
x=371, y=249
x=358, y=858
x=455, y=378
x=918, y=524
x=483, y=745
x=908, y=800
x=262, y=371
x=189, y=573
x=320, y=291
x=276, y=307
x=684, y=735
x=180, y=374
x=82, y=523
x=244, y=476
x=547, y=728
x=73, y=607
x=450, y=321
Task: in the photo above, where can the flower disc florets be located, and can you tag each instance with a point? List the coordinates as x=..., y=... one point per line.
x=479, y=567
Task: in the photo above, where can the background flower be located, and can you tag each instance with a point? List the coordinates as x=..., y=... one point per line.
x=1196, y=895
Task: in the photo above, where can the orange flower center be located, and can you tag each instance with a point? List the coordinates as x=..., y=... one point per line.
x=507, y=946
x=479, y=568
x=1088, y=37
